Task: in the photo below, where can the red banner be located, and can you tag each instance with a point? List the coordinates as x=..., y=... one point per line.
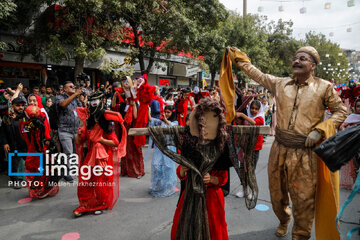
x=163, y=82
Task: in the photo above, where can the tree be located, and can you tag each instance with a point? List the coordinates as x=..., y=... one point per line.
x=7, y=7
x=212, y=49
x=249, y=34
x=268, y=44
x=161, y=28
x=334, y=63
x=79, y=29
x=281, y=47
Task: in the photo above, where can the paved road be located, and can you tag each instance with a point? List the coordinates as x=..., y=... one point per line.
x=137, y=215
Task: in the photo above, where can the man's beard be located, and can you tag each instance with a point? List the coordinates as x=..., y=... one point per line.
x=19, y=114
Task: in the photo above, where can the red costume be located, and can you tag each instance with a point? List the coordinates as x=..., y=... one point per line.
x=351, y=94
x=215, y=205
x=99, y=191
x=145, y=94
x=132, y=164
x=199, y=96
x=161, y=102
x=182, y=108
x=38, y=140
x=119, y=99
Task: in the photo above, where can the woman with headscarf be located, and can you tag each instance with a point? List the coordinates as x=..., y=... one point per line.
x=35, y=100
x=38, y=140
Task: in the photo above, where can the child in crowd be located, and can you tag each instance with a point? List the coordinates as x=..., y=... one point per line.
x=163, y=172
x=255, y=117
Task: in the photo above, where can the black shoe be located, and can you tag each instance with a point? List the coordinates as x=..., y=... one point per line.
x=69, y=179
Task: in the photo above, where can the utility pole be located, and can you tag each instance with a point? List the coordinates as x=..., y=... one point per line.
x=244, y=7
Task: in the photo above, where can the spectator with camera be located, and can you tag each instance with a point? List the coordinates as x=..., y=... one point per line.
x=68, y=120
x=85, y=81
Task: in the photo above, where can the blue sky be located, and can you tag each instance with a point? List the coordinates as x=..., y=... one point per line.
x=335, y=20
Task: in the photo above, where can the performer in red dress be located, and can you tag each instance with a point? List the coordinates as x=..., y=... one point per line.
x=98, y=187
x=145, y=94
x=182, y=107
x=37, y=137
x=132, y=164
x=351, y=93
x=197, y=94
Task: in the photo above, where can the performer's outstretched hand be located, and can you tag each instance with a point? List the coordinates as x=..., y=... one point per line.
x=236, y=55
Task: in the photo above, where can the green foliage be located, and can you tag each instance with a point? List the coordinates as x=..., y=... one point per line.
x=78, y=28
x=250, y=35
x=270, y=47
x=83, y=29
x=175, y=25
x=57, y=52
x=329, y=55
x=117, y=69
x=16, y=16
x=6, y=8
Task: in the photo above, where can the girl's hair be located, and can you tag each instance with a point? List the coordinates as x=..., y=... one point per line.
x=256, y=102
x=172, y=109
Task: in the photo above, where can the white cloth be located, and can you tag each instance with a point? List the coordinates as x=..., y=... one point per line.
x=44, y=111
x=353, y=118
x=170, y=102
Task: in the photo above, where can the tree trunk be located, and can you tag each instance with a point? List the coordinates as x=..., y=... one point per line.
x=79, y=68
x=213, y=74
x=140, y=56
x=151, y=59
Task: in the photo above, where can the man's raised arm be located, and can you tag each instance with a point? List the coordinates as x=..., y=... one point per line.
x=241, y=60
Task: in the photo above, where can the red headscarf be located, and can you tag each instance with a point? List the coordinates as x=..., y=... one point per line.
x=43, y=114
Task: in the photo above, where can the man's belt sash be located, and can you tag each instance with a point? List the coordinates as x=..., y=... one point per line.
x=289, y=138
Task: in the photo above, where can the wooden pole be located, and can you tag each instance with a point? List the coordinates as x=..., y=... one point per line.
x=145, y=131
x=244, y=7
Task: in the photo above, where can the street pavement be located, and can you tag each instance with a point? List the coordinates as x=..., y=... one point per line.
x=139, y=216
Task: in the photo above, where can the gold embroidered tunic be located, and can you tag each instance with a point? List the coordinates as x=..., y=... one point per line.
x=297, y=171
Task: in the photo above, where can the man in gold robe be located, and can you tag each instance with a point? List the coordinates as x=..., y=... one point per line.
x=294, y=169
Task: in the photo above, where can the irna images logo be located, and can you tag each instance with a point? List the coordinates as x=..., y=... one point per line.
x=60, y=164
